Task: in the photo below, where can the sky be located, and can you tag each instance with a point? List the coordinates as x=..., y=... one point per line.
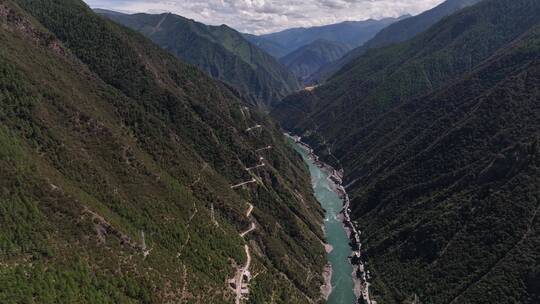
x=266, y=16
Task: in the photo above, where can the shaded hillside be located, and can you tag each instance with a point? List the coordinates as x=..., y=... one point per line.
x=453, y=187
x=350, y=33
x=383, y=78
x=117, y=163
x=310, y=58
x=272, y=48
x=397, y=32
x=438, y=137
x=220, y=51
x=102, y=11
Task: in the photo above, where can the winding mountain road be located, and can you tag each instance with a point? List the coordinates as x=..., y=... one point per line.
x=243, y=276
x=253, y=128
x=244, y=183
x=250, y=209
x=241, y=287
x=251, y=228
x=262, y=149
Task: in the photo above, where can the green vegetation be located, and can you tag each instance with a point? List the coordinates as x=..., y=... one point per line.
x=439, y=140
x=310, y=58
x=104, y=137
x=220, y=51
x=397, y=32
x=71, y=283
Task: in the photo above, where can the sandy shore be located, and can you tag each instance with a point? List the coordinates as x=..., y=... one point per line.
x=328, y=248
x=326, y=288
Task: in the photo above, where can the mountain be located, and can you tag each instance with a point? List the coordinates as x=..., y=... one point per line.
x=220, y=51
x=118, y=165
x=350, y=33
x=310, y=58
x=272, y=48
x=101, y=11
x=439, y=140
x=410, y=27
x=399, y=31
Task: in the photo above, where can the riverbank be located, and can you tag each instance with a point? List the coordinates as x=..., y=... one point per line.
x=359, y=274
x=326, y=288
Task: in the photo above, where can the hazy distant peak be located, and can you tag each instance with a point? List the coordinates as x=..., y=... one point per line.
x=102, y=11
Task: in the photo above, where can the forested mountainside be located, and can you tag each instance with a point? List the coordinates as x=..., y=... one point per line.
x=119, y=168
x=220, y=51
x=439, y=138
x=310, y=58
x=275, y=49
x=349, y=33
x=397, y=32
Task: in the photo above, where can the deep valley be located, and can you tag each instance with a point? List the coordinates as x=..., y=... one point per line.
x=381, y=152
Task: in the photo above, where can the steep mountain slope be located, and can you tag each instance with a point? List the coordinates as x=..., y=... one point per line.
x=410, y=27
x=310, y=58
x=383, y=78
x=272, y=48
x=351, y=33
x=219, y=50
x=450, y=195
x=117, y=163
x=102, y=11
x=438, y=137
x=397, y=32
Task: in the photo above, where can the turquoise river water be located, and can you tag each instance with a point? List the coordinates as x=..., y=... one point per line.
x=342, y=283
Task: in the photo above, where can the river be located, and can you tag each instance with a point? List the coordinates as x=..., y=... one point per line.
x=342, y=282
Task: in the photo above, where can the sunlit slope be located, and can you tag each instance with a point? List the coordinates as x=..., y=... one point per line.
x=220, y=51
x=117, y=163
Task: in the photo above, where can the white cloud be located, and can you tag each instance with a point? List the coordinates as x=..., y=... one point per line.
x=263, y=16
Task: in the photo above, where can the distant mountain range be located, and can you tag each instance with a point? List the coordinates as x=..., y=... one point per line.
x=309, y=58
x=439, y=137
x=397, y=32
x=348, y=34
x=219, y=50
x=275, y=49
x=305, y=50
